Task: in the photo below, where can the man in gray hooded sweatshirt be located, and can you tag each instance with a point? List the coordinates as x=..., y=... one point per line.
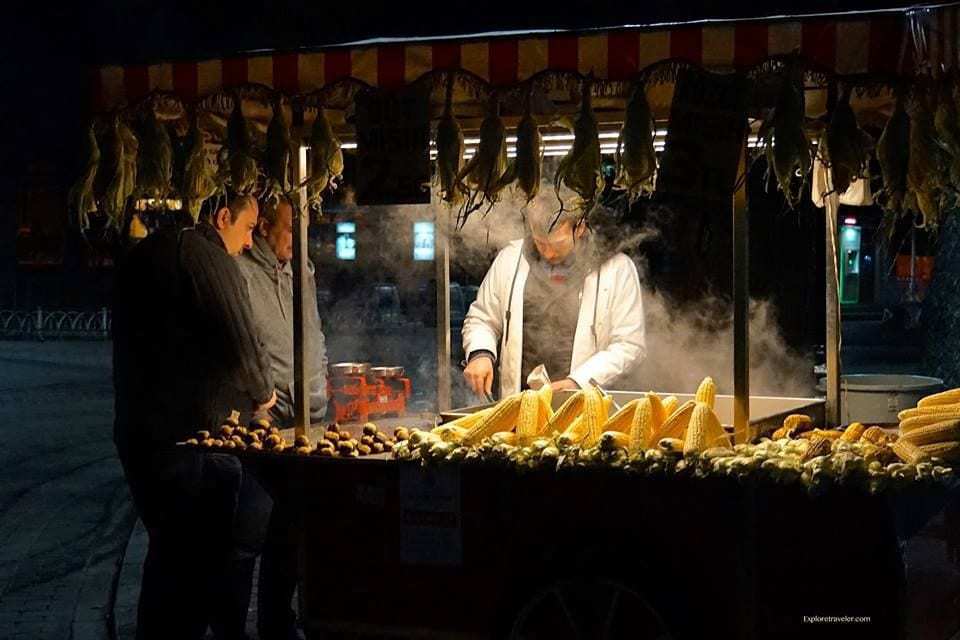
x=269, y=275
x=266, y=268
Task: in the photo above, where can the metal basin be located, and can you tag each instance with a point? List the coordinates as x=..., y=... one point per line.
x=349, y=369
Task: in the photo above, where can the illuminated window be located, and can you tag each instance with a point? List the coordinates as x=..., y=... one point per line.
x=346, y=241
x=423, y=239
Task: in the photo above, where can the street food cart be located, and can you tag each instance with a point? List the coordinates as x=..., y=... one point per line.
x=402, y=549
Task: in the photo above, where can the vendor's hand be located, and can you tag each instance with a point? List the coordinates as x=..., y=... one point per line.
x=564, y=385
x=266, y=406
x=479, y=375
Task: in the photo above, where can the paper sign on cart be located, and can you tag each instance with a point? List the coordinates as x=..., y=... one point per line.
x=430, y=516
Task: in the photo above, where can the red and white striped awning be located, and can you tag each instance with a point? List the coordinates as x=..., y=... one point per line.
x=864, y=43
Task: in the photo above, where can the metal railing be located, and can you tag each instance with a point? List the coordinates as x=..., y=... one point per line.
x=56, y=324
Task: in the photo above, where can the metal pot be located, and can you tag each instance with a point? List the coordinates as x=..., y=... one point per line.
x=877, y=398
x=350, y=369
x=386, y=372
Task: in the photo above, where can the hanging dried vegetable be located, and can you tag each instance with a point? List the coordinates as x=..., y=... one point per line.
x=947, y=128
x=326, y=159
x=579, y=170
x=199, y=179
x=82, y=199
x=449, y=151
x=481, y=177
x=155, y=161
x=636, y=157
x=240, y=155
x=845, y=147
x=122, y=168
x=279, y=154
x=526, y=165
x=893, y=149
x=784, y=138
x=926, y=163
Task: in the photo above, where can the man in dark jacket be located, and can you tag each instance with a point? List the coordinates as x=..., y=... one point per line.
x=186, y=353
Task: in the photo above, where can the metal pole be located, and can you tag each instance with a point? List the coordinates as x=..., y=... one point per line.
x=913, y=263
x=741, y=308
x=301, y=279
x=442, y=244
x=832, y=414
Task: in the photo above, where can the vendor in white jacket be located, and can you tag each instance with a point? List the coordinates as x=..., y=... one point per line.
x=554, y=299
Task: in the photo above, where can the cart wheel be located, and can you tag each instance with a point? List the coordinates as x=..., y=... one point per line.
x=590, y=608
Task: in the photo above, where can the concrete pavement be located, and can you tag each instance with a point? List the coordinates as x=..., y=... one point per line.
x=65, y=512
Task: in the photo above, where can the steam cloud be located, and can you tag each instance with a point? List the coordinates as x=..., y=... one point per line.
x=683, y=344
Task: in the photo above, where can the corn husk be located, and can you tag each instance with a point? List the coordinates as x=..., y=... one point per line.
x=278, y=156
x=893, y=155
x=121, y=170
x=199, y=180
x=784, y=138
x=326, y=159
x=636, y=157
x=242, y=164
x=926, y=164
x=481, y=178
x=82, y=199
x=844, y=147
x=155, y=160
x=529, y=156
x=526, y=164
x=449, y=152
x=579, y=170
x=947, y=128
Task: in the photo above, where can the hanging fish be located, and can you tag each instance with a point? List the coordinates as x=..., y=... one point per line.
x=893, y=155
x=155, y=161
x=326, y=159
x=636, y=156
x=82, y=199
x=279, y=154
x=481, y=177
x=784, y=138
x=242, y=164
x=579, y=170
x=845, y=147
x=449, y=144
x=925, y=167
x=199, y=181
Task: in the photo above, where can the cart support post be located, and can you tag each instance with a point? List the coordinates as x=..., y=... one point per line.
x=301, y=279
x=832, y=409
x=442, y=242
x=741, y=308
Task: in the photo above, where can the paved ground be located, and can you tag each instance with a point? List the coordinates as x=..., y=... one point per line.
x=65, y=513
